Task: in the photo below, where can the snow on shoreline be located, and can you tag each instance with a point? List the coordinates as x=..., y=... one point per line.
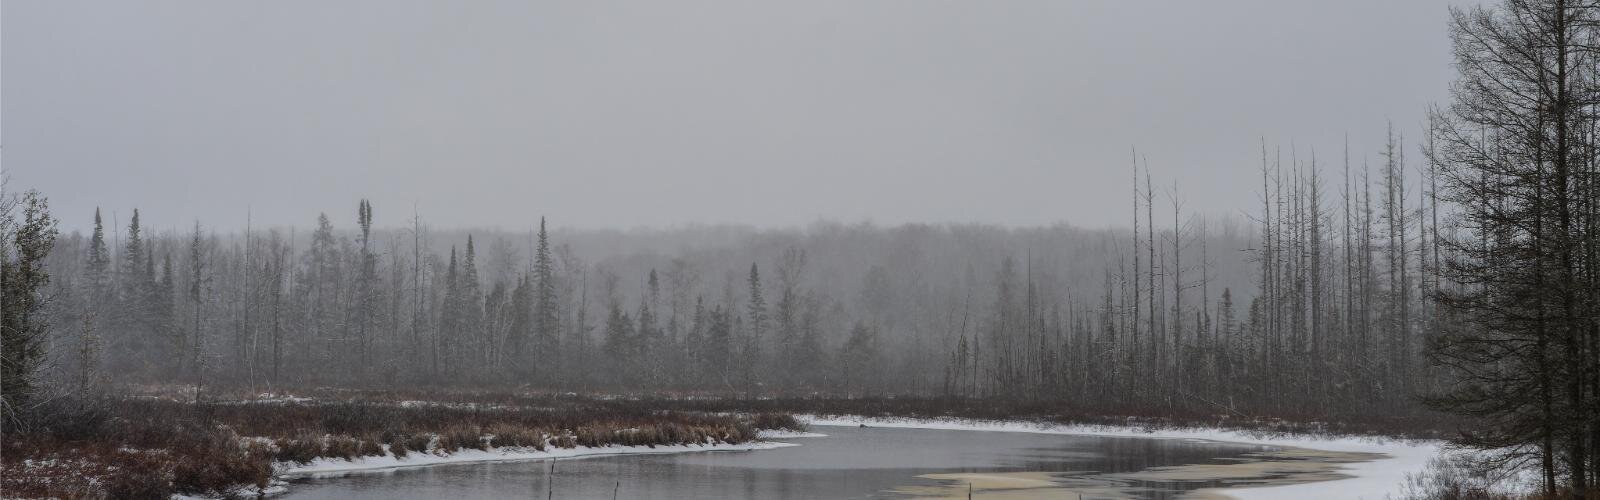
x=1376, y=479
x=786, y=434
x=1372, y=480
x=327, y=467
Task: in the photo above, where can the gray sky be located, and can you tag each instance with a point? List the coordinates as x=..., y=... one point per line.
x=642, y=113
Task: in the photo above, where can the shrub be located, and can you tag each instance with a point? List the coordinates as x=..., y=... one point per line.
x=506, y=434
x=397, y=443
x=371, y=446
x=345, y=447
x=564, y=440
x=219, y=468
x=140, y=475
x=301, y=449
x=593, y=436
x=465, y=436
x=420, y=443
x=768, y=420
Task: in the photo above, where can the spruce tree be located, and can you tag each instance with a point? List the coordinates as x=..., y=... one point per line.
x=859, y=357
x=24, y=325
x=96, y=289
x=322, y=279
x=367, y=293
x=719, y=348
x=695, y=346
x=132, y=313
x=757, y=316
x=546, y=311
x=98, y=265
x=166, y=319
x=197, y=294
x=619, y=344
x=471, y=307
x=521, y=326
x=449, y=321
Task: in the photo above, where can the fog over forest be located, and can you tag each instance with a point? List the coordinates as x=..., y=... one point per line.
x=663, y=115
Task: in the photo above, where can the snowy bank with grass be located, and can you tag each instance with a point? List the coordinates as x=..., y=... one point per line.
x=1371, y=480
x=327, y=467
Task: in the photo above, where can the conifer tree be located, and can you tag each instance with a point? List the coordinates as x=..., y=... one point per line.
x=197, y=294
x=756, y=312
x=619, y=344
x=98, y=263
x=321, y=280
x=471, y=308
x=859, y=357
x=447, y=339
x=24, y=326
x=521, y=326
x=719, y=347
x=546, y=311
x=367, y=294
x=132, y=312
x=166, y=319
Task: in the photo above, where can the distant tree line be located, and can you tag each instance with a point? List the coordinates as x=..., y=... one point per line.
x=1302, y=310
x=268, y=310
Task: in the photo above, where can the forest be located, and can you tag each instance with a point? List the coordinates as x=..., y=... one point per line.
x=1054, y=313
x=1452, y=280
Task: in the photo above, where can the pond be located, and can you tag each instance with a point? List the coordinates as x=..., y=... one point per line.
x=868, y=462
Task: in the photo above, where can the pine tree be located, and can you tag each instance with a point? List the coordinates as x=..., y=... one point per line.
x=367, y=294
x=697, y=352
x=197, y=294
x=97, y=291
x=322, y=280
x=788, y=314
x=653, y=343
x=859, y=357
x=132, y=264
x=98, y=263
x=24, y=326
x=521, y=326
x=447, y=339
x=166, y=318
x=88, y=354
x=546, y=311
x=718, y=356
x=619, y=344
x=756, y=312
x=132, y=312
x=471, y=307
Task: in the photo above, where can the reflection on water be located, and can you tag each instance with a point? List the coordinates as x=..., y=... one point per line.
x=860, y=463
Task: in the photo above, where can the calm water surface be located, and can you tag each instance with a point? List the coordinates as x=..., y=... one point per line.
x=849, y=463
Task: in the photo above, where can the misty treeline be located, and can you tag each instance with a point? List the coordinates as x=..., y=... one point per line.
x=1314, y=304
x=829, y=308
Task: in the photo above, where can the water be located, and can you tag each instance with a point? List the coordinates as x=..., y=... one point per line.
x=849, y=463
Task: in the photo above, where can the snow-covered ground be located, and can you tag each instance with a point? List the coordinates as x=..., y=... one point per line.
x=1373, y=480
x=338, y=466
x=786, y=434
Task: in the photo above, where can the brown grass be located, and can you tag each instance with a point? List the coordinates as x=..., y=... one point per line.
x=154, y=447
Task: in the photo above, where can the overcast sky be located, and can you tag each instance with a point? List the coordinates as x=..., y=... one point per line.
x=644, y=113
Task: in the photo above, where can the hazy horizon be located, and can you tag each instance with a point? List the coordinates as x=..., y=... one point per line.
x=660, y=116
